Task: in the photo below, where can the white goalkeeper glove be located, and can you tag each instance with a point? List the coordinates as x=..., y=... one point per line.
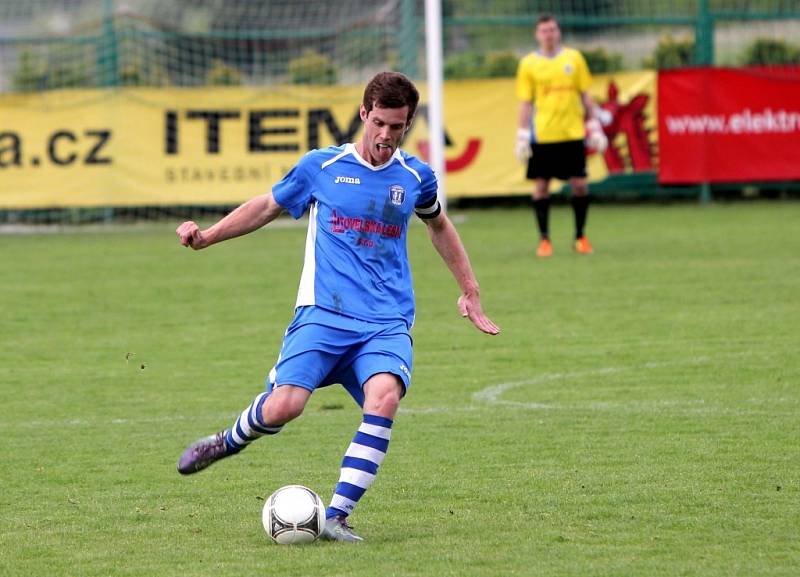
x=522, y=146
x=595, y=137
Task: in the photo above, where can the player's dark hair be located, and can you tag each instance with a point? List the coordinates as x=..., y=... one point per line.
x=546, y=17
x=391, y=90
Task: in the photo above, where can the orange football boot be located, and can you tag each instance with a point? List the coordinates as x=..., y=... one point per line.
x=583, y=246
x=544, y=249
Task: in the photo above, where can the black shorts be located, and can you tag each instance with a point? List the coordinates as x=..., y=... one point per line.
x=560, y=160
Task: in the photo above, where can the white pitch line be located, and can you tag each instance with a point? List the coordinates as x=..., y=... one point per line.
x=487, y=398
x=492, y=395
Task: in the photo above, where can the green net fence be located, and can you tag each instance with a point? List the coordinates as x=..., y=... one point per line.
x=84, y=43
x=48, y=44
x=55, y=44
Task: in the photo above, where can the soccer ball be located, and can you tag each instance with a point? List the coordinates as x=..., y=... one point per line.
x=293, y=514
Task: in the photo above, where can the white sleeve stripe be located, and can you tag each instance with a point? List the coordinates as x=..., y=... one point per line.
x=375, y=431
x=408, y=168
x=428, y=210
x=327, y=163
x=367, y=453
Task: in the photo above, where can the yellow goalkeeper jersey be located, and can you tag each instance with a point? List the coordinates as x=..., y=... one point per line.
x=554, y=86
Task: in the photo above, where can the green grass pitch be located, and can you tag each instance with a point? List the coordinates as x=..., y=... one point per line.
x=638, y=416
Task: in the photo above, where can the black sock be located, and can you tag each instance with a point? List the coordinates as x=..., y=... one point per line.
x=542, y=209
x=580, y=205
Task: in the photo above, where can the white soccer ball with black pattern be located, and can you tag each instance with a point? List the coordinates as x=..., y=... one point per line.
x=293, y=514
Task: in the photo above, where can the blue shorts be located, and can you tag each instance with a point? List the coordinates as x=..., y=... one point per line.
x=322, y=348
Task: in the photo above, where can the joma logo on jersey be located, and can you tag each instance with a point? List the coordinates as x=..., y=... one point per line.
x=347, y=180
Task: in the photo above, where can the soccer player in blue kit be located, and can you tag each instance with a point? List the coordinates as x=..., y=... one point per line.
x=355, y=304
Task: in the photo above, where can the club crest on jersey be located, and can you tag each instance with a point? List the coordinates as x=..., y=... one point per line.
x=568, y=68
x=397, y=194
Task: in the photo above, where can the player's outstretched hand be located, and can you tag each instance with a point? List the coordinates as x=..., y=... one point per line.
x=470, y=307
x=190, y=235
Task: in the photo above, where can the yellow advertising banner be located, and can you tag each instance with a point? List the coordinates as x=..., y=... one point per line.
x=205, y=146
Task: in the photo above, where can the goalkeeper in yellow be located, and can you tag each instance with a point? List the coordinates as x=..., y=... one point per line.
x=556, y=123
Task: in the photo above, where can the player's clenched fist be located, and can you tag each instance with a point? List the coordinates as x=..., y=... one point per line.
x=190, y=235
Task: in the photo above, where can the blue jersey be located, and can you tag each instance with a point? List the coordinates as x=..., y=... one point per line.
x=356, y=260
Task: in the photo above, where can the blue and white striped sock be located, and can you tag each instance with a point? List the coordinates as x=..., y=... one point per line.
x=360, y=464
x=249, y=426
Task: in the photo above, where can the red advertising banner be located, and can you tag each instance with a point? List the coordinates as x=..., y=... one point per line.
x=729, y=125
